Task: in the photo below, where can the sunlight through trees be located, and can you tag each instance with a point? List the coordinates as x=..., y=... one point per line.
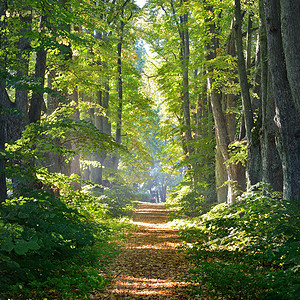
x=104, y=104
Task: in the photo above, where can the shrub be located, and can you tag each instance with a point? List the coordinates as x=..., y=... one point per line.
x=35, y=231
x=145, y=197
x=249, y=250
x=50, y=234
x=76, y=277
x=189, y=201
x=119, y=200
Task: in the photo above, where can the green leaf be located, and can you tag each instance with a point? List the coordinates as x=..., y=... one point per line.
x=8, y=245
x=33, y=245
x=21, y=247
x=23, y=215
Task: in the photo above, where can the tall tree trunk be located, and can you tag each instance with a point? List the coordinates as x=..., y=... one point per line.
x=37, y=100
x=271, y=163
x=221, y=176
x=3, y=121
x=120, y=96
x=249, y=43
x=246, y=100
x=120, y=89
x=102, y=121
x=290, y=26
x=97, y=171
x=253, y=163
x=57, y=163
x=287, y=118
x=75, y=162
x=21, y=95
x=3, y=187
x=184, y=57
x=106, y=125
x=222, y=137
x=86, y=170
x=237, y=176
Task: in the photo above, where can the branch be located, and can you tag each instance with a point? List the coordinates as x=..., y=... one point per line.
x=174, y=14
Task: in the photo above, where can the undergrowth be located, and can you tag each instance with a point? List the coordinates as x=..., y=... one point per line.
x=56, y=242
x=249, y=250
x=51, y=249
x=190, y=201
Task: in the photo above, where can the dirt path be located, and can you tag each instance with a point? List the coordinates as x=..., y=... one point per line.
x=149, y=267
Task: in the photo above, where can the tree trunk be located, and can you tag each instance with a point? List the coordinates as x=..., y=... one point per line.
x=75, y=162
x=290, y=26
x=246, y=100
x=86, y=171
x=3, y=187
x=37, y=100
x=52, y=101
x=230, y=179
x=120, y=97
x=3, y=122
x=97, y=172
x=221, y=177
x=184, y=57
x=222, y=137
x=57, y=163
x=21, y=95
x=287, y=118
x=120, y=89
x=249, y=43
x=271, y=164
x=253, y=162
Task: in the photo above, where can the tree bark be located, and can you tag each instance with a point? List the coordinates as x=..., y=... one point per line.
x=3, y=125
x=184, y=57
x=230, y=179
x=116, y=158
x=120, y=88
x=97, y=172
x=287, y=118
x=271, y=163
x=249, y=43
x=253, y=162
x=75, y=162
x=21, y=95
x=221, y=176
x=37, y=100
x=290, y=26
x=3, y=105
x=246, y=100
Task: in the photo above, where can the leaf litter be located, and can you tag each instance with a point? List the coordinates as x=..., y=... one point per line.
x=149, y=266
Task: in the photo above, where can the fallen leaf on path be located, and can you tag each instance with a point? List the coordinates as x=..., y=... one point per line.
x=149, y=265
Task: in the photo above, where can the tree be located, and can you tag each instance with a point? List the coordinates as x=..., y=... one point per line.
x=290, y=25
x=287, y=118
x=183, y=102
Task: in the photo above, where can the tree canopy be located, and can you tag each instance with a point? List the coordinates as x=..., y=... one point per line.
x=187, y=102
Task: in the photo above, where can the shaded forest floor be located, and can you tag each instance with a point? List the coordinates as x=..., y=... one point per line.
x=149, y=266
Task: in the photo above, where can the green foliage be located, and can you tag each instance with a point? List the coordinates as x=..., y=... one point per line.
x=145, y=197
x=52, y=236
x=249, y=250
x=35, y=232
x=54, y=245
x=238, y=153
x=189, y=201
x=242, y=281
x=119, y=200
x=76, y=277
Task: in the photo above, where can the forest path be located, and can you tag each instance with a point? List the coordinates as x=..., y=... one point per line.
x=149, y=266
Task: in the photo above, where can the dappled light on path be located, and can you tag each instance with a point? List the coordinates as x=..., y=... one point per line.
x=149, y=266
